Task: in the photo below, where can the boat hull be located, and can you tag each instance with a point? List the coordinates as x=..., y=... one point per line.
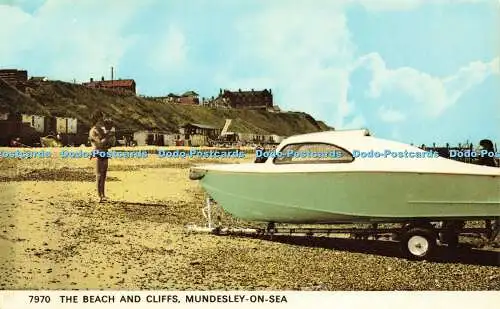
x=337, y=197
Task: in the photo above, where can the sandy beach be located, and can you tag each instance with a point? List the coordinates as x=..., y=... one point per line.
x=55, y=235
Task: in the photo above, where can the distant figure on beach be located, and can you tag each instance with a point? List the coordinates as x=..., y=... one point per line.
x=260, y=159
x=487, y=144
x=15, y=142
x=127, y=141
x=102, y=138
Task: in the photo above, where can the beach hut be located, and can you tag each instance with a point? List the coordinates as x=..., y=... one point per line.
x=71, y=125
x=169, y=139
x=61, y=125
x=141, y=137
x=35, y=121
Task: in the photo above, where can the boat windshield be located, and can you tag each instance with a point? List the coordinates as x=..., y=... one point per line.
x=312, y=153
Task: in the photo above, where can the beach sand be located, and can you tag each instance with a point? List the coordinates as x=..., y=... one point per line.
x=54, y=235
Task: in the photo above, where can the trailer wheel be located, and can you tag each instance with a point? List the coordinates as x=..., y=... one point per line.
x=418, y=243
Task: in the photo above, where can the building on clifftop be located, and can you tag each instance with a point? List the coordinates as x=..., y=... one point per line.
x=119, y=85
x=15, y=78
x=253, y=99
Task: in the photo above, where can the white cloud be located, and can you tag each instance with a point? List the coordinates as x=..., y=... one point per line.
x=385, y=5
x=357, y=122
x=171, y=54
x=396, y=134
x=390, y=115
x=12, y=18
x=26, y=5
x=302, y=50
x=257, y=83
x=434, y=94
x=72, y=39
x=405, y=5
x=307, y=54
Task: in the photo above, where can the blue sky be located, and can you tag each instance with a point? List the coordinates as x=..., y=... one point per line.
x=417, y=71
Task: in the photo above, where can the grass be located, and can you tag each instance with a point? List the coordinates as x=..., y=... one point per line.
x=134, y=113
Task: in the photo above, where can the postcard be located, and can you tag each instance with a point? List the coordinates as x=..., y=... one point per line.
x=249, y=153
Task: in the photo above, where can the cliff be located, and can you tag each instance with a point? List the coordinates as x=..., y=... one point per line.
x=58, y=98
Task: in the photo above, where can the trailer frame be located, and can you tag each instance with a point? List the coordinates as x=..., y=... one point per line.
x=418, y=237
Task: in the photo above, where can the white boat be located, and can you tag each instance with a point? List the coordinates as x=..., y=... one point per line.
x=360, y=179
x=403, y=183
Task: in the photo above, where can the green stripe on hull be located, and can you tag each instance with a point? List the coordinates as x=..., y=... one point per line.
x=354, y=196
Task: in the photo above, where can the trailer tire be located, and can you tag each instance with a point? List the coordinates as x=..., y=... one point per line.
x=418, y=243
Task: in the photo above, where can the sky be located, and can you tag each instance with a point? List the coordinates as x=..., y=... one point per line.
x=417, y=71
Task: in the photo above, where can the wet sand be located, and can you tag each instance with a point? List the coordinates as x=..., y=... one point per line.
x=54, y=235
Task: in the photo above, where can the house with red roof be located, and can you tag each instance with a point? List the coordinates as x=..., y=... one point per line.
x=127, y=85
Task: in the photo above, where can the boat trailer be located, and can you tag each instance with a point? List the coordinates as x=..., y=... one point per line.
x=418, y=238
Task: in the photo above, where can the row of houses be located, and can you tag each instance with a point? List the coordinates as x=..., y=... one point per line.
x=240, y=99
x=144, y=138
x=121, y=86
x=29, y=128
x=188, y=97
x=42, y=124
x=16, y=78
x=248, y=99
x=194, y=134
x=19, y=78
x=23, y=125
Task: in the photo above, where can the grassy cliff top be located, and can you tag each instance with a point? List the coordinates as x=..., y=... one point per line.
x=56, y=98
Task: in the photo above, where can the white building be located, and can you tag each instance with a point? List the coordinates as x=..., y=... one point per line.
x=66, y=125
x=35, y=121
x=71, y=125
x=140, y=137
x=61, y=125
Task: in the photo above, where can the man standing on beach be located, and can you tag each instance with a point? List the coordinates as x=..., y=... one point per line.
x=101, y=139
